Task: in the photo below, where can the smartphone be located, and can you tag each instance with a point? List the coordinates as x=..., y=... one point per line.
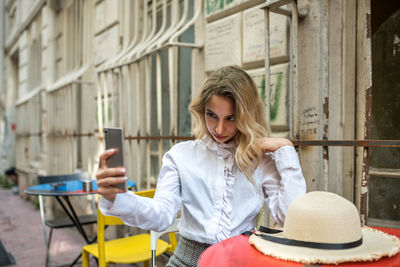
x=114, y=138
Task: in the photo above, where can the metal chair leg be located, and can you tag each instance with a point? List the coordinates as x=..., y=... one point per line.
x=153, y=258
x=50, y=235
x=48, y=248
x=46, y=239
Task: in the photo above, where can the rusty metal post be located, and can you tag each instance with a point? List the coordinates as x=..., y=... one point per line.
x=366, y=158
x=364, y=101
x=267, y=69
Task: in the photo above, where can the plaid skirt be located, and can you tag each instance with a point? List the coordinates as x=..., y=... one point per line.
x=187, y=253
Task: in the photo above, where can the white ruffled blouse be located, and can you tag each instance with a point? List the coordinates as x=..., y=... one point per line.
x=216, y=199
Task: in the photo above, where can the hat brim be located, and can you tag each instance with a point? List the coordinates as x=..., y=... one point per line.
x=376, y=244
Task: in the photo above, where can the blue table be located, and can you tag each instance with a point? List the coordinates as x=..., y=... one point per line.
x=62, y=191
x=71, y=188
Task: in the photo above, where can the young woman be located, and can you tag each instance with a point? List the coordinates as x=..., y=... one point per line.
x=221, y=179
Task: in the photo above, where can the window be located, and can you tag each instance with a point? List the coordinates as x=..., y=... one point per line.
x=65, y=98
x=384, y=183
x=69, y=37
x=147, y=89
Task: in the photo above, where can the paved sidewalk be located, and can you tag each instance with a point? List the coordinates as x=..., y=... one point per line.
x=22, y=236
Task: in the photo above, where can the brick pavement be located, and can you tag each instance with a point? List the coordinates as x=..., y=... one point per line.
x=22, y=236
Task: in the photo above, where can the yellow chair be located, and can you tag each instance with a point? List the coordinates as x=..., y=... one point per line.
x=125, y=250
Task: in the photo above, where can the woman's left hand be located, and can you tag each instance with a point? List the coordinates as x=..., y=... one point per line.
x=271, y=144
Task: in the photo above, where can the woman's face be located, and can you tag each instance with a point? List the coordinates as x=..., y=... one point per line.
x=220, y=119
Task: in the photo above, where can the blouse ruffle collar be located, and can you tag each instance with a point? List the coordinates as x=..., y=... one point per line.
x=226, y=150
x=215, y=146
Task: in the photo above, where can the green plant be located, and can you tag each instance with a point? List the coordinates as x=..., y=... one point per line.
x=4, y=182
x=36, y=203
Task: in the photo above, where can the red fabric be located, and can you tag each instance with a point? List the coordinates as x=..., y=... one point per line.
x=237, y=252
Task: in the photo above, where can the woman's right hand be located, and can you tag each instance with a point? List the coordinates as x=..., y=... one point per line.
x=108, y=177
x=271, y=144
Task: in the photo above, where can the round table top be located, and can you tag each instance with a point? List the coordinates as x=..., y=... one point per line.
x=65, y=188
x=237, y=252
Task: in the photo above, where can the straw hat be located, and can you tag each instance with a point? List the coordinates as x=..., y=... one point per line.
x=322, y=227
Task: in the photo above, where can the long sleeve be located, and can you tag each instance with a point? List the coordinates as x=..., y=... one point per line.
x=217, y=200
x=146, y=213
x=283, y=181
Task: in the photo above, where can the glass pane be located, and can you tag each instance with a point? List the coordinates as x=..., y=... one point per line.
x=185, y=92
x=385, y=157
x=154, y=166
x=386, y=92
x=166, y=113
x=185, y=80
x=384, y=198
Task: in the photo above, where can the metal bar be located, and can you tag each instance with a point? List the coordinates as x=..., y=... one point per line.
x=323, y=90
x=267, y=71
x=128, y=113
x=147, y=82
x=30, y=134
x=153, y=258
x=74, y=126
x=48, y=263
x=282, y=11
x=273, y=4
x=353, y=143
x=175, y=23
x=76, y=260
x=46, y=240
x=134, y=40
x=58, y=135
x=121, y=98
x=173, y=106
x=388, y=173
x=143, y=39
x=159, y=105
x=82, y=134
x=138, y=126
x=366, y=158
x=99, y=104
x=172, y=33
x=76, y=219
x=113, y=85
x=366, y=87
x=148, y=138
x=294, y=71
x=139, y=58
x=296, y=142
x=136, y=51
x=71, y=217
x=191, y=22
x=105, y=94
x=152, y=34
x=161, y=31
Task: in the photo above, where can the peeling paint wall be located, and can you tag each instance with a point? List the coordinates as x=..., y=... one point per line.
x=232, y=32
x=326, y=93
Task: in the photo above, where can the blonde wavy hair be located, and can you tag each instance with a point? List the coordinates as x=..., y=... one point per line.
x=249, y=116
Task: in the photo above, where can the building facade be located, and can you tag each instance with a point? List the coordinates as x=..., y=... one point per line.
x=72, y=67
